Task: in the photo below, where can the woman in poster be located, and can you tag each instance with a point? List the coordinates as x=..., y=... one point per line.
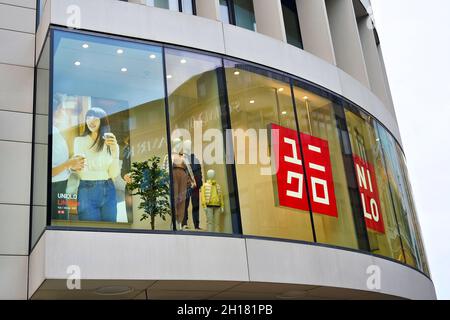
x=98, y=146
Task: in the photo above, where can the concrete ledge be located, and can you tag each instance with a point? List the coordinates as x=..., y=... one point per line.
x=284, y=262
x=188, y=263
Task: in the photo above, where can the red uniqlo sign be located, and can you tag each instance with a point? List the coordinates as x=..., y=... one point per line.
x=291, y=184
x=365, y=174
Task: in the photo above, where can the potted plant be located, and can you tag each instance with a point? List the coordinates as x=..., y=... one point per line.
x=151, y=184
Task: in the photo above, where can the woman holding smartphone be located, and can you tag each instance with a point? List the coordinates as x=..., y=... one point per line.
x=98, y=146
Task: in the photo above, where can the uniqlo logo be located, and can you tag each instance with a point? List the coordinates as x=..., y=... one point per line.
x=318, y=168
x=291, y=179
x=368, y=189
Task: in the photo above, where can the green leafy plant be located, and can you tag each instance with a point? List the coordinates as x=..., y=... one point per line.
x=151, y=184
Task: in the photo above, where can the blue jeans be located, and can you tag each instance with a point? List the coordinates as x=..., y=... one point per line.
x=97, y=201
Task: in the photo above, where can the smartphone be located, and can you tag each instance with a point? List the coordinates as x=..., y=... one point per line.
x=107, y=135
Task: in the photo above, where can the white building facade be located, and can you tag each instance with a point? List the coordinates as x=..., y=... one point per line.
x=260, y=134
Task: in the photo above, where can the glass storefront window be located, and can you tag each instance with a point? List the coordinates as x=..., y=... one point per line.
x=200, y=178
x=404, y=206
x=243, y=149
x=373, y=187
x=258, y=100
x=415, y=221
x=317, y=119
x=108, y=113
x=291, y=23
x=40, y=145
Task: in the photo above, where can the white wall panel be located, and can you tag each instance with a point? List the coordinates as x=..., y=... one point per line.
x=17, y=18
x=14, y=229
x=16, y=88
x=13, y=277
x=20, y=48
x=16, y=126
x=15, y=170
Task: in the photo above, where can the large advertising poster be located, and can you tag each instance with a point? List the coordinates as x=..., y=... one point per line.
x=290, y=172
x=368, y=189
x=90, y=160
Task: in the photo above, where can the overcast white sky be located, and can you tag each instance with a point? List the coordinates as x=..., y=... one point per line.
x=415, y=39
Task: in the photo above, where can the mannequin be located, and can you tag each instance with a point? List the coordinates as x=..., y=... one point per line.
x=182, y=176
x=193, y=194
x=212, y=201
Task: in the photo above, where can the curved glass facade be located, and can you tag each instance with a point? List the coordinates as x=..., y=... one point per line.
x=152, y=137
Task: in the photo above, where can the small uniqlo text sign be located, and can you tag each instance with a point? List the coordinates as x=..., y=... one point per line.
x=368, y=189
x=291, y=167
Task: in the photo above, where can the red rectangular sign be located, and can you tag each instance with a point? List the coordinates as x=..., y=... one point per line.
x=368, y=189
x=318, y=168
x=291, y=180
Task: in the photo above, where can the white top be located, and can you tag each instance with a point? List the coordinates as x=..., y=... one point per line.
x=99, y=165
x=60, y=155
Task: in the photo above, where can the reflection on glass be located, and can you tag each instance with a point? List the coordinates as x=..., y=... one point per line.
x=164, y=4
x=415, y=221
x=245, y=14
x=404, y=206
x=40, y=145
x=200, y=178
x=108, y=113
x=291, y=23
x=238, y=12
x=257, y=101
x=317, y=118
x=187, y=6
x=40, y=11
x=224, y=11
x=370, y=169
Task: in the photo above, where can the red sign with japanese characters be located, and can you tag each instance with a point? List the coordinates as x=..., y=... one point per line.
x=291, y=167
x=368, y=189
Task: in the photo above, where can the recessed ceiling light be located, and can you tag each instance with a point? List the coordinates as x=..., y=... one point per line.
x=77, y=63
x=252, y=101
x=169, y=76
x=85, y=46
x=119, y=51
x=281, y=90
x=124, y=69
x=152, y=56
x=183, y=61
x=284, y=113
x=236, y=73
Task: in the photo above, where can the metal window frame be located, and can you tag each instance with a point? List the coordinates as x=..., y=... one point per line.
x=229, y=151
x=194, y=7
x=297, y=21
x=38, y=14
x=232, y=12
x=302, y=154
x=169, y=140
